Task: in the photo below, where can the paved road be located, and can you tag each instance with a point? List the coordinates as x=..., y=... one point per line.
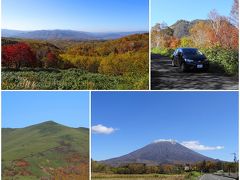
x=214, y=177
x=164, y=77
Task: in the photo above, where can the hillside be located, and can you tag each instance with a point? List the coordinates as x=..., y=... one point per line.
x=45, y=150
x=181, y=27
x=65, y=64
x=64, y=34
x=164, y=152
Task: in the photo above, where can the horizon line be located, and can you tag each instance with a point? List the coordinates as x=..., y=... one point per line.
x=77, y=30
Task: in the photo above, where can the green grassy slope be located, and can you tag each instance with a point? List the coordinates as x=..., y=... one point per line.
x=43, y=150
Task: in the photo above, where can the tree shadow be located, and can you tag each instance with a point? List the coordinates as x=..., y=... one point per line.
x=164, y=77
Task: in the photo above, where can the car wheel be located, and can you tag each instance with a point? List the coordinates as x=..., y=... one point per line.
x=183, y=67
x=205, y=70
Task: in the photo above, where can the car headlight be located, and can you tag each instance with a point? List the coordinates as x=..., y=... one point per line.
x=189, y=60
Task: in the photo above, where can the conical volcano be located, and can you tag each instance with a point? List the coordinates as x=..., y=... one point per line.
x=162, y=152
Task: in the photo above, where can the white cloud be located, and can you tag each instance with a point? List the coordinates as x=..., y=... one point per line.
x=165, y=140
x=195, y=145
x=100, y=129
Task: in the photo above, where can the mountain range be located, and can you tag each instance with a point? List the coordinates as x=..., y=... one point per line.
x=65, y=34
x=163, y=152
x=44, y=150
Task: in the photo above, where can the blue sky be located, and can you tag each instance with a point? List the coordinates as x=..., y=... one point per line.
x=126, y=121
x=21, y=109
x=84, y=15
x=171, y=11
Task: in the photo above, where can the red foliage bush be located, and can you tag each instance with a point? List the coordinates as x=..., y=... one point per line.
x=18, y=55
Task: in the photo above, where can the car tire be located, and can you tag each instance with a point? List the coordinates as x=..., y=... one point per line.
x=183, y=67
x=205, y=70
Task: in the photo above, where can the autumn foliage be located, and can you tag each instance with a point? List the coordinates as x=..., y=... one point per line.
x=17, y=55
x=51, y=60
x=140, y=168
x=99, y=64
x=216, y=36
x=124, y=56
x=217, y=31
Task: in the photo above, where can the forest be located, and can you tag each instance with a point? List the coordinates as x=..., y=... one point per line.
x=189, y=170
x=217, y=37
x=65, y=64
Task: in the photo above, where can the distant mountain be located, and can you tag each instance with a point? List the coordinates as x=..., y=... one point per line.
x=64, y=34
x=44, y=150
x=115, y=35
x=164, y=152
x=181, y=28
x=10, y=33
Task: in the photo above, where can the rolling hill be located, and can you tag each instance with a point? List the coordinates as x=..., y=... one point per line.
x=65, y=34
x=45, y=150
x=164, y=152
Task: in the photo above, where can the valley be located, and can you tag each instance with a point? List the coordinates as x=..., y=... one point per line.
x=58, y=62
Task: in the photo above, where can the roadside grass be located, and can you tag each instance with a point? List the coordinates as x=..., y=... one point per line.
x=163, y=51
x=184, y=176
x=193, y=175
x=104, y=176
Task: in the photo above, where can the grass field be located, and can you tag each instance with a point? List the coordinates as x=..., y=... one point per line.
x=185, y=176
x=74, y=79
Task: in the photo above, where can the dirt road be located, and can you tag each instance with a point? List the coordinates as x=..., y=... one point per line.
x=166, y=77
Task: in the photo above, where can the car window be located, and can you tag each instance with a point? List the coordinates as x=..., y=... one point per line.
x=192, y=52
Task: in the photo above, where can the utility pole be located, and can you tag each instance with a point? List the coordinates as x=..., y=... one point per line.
x=235, y=161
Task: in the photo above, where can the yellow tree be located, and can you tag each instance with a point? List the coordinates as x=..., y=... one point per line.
x=200, y=34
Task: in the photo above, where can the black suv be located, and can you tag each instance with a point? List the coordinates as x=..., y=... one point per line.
x=189, y=59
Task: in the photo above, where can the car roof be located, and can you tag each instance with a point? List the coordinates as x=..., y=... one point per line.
x=187, y=48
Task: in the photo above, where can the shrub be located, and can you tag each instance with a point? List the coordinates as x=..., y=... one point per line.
x=186, y=42
x=163, y=51
x=226, y=58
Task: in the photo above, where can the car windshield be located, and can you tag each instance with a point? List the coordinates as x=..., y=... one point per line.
x=192, y=52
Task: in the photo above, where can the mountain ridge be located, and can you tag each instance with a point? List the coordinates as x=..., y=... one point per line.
x=164, y=152
x=181, y=28
x=62, y=34
x=48, y=122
